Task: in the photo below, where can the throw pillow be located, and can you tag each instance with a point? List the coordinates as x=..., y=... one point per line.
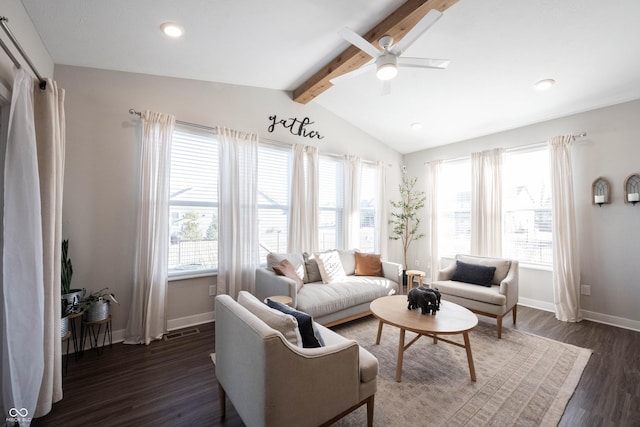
x=286, y=324
x=311, y=265
x=310, y=335
x=330, y=267
x=368, y=264
x=286, y=269
x=473, y=273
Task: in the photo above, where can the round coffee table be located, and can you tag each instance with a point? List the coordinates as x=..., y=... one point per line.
x=451, y=319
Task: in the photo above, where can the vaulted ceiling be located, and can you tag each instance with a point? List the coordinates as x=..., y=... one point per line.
x=498, y=50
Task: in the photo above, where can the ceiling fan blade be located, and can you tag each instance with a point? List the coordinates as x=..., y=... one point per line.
x=423, y=63
x=423, y=25
x=358, y=41
x=386, y=87
x=351, y=74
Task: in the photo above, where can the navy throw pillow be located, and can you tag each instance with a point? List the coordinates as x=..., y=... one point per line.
x=310, y=335
x=473, y=273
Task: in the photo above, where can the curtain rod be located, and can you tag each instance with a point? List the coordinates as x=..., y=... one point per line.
x=5, y=27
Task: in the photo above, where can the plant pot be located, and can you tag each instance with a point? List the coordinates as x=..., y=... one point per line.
x=64, y=326
x=98, y=310
x=73, y=299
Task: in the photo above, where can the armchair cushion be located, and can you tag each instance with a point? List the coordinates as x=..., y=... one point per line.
x=502, y=265
x=473, y=273
x=286, y=324
x=368, y=264
x=311, y=337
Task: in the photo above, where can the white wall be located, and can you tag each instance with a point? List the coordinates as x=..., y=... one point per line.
x=608, y=236
x=23, y=30
x=102, y=161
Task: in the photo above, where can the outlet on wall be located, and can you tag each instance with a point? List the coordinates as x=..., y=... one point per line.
x=585, y=289
x=212, y=290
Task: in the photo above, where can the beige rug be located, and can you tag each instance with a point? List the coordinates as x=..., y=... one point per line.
x=522, y=379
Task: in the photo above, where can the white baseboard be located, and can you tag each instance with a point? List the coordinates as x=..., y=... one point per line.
x=593, y=316
x=196, y=319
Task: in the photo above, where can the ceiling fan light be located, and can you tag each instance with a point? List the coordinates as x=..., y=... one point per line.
x=386, y=67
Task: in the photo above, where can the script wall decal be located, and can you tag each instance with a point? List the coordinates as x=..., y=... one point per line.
x=295, y=126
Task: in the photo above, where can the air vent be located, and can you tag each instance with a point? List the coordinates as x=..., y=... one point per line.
x=181, y=333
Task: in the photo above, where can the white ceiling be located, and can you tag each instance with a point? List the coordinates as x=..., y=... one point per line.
x=497, y=48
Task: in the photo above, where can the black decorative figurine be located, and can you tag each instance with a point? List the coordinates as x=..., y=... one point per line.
x=426, y=299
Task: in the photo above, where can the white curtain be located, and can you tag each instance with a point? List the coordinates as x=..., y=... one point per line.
x=433, y=173
x=50, y=140
x=353, y=169
x=303, y=207
x=566, y=266
x=147, y=314
x=238, y=254
x=22, y=317
x=381, y=220
x=486, y=203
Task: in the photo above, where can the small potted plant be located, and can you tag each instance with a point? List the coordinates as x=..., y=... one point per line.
x=98, y=305
x=71, y=297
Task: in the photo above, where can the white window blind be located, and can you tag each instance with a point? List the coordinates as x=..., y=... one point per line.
x=527, y=206
x=331, y=199
x=369, y=191
x=193, y=202
x=274, y=171
x=454, y=208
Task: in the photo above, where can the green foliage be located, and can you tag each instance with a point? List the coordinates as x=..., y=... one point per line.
x=190, y=229
x=212, y=230
x=66, y=270
x=404, y=220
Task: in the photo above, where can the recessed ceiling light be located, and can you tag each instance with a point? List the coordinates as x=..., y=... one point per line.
x=416, y=125
x=544, y=84
x=172, y=29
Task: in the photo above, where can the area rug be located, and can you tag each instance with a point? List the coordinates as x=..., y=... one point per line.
x=522, y=379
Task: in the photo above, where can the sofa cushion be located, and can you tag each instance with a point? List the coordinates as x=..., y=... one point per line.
x=310, y=336
x=502, y=265
x=348, y=260
x=286, y=324
x=368, y=264
x=285, y=268
x=297, y=260
x=473, y=273
x=330, y=267
x=311, y=266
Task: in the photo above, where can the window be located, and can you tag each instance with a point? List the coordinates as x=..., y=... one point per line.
x=274, y=166
x=454, y=208
x=331, y=199
x=369, y=193
x=193, y=202
x=527, y=206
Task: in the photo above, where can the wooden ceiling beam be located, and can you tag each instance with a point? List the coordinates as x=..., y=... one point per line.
x=395, y=25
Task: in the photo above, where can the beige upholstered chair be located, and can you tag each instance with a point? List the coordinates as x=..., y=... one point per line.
x=495, y=300
x=272, y=382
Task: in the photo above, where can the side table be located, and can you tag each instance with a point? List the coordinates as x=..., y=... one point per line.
x=66, y=355
x=92, y=329
x=74, y=333
x=414, y=273
x=284, y=299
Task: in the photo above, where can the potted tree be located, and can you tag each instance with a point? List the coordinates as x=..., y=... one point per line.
x=98, y=305
x=404, y=219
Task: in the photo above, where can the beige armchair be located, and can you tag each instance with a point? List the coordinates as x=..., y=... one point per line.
x=496, y=299
x=272, y=382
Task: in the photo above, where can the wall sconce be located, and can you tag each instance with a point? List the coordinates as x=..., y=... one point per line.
x=632, y=189
x=600, y=190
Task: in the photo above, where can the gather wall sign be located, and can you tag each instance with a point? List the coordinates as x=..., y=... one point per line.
x=296, y=126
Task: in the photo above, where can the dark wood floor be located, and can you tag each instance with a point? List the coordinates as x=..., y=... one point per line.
x=172, y=383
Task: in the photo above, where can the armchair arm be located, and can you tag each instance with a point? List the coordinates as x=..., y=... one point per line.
x=509, y=286
x=269, y=284
x=392, y=271
x=447, y=272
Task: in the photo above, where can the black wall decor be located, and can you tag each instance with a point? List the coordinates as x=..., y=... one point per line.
x=296, y=126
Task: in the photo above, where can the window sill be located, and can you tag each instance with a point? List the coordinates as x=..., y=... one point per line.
x=191, y=275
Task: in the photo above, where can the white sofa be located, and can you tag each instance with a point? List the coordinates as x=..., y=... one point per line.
x=328, y=303
x=497, y=298
x=272, y=382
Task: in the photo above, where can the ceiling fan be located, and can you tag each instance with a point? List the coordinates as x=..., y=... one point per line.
x=387, y=61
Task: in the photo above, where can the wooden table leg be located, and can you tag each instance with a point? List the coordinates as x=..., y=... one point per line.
x=400, y=355
x=379, y=332
x=467, y=346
